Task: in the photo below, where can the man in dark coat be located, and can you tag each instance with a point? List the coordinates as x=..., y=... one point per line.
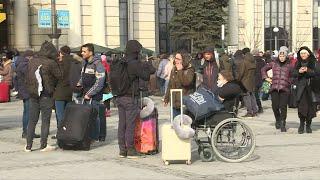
x=128, y=106
x=246, y=76
x=307, y=72
x=23, y=94
x=43, y=75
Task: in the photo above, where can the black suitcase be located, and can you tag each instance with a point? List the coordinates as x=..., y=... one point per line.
x=74, y=130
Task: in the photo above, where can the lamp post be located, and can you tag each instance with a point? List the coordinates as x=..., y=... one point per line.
x=275, y=30
x=222, y=36
x=55, y=35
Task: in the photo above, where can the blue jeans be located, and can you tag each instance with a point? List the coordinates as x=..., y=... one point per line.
x=25, y=116
x=60, y=106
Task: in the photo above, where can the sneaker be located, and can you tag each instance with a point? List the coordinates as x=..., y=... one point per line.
x=133, y=154
x=27, y=148
x=47, y=148
x=123, y=154
x=14, y=93
x=54, y=137
x=248, y=115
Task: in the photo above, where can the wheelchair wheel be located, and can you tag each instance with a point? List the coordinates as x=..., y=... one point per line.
x=207, y=155
x=232, y=140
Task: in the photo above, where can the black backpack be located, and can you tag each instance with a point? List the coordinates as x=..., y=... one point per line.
x=119, y=77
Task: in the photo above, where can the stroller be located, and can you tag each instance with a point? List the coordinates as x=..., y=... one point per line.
x=223, y=136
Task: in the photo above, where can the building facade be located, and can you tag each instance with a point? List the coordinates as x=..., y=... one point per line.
x=251, y=23
x=267, y=24
x=107, y=23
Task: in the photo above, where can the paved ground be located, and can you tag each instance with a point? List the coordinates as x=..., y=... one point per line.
x=277, y=155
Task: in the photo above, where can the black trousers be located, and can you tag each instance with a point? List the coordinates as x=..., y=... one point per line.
x=128, y=109
x=103, y=122
x=279, y=104
x=43, y=105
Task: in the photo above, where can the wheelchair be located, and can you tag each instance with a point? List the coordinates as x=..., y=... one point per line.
x=221, y=135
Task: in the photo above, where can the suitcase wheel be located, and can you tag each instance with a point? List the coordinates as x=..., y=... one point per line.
x=166, y=163
x=188, y=162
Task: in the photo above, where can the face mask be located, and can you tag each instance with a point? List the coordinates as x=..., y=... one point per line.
x=220, y=83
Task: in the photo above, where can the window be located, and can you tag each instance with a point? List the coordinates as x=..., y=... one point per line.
x=165, y=14
x=315, y=33
x=123, y=17
x=277, y=14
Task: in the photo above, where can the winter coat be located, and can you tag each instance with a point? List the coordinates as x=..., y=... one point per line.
x=229, y=92
x=136, y=68
x=247, y=73
x=281, y=75
x=227, y=63
x=310, y=79
x=238, y=59
x=75, y=72
x=63, y=91
x=182, y=79
x=260, y=63
x=161, y=68
x=50, y=71
x=92, y=78
x=6, y=72
x=210, y=72
x=22, y=71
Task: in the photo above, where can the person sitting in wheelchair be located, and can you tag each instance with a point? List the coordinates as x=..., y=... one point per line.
x=228, y=90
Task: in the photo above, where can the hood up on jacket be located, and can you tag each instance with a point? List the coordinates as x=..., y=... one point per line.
x=48, y=50
x=133, y=49
x=311, y=60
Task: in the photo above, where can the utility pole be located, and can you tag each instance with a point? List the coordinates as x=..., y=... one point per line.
x=54, y=36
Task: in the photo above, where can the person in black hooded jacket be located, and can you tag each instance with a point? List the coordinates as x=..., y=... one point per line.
x=307, y=70
x=128, y=106
x=41, y=97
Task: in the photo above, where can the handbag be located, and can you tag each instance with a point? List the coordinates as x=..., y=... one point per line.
x=265, y=88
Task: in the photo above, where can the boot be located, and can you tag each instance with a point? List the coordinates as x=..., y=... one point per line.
x=278, y=123
x=283, y=126
x=308, y=126
x=301, y=127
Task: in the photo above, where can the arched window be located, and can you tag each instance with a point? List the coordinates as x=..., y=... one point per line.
x=277, y=14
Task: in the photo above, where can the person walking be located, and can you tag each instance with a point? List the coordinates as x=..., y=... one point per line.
x=260, y=63
x=161, y=73
x=306, y=72
x=280, y=87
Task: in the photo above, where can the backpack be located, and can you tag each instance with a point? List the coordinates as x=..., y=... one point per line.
x=119, y=77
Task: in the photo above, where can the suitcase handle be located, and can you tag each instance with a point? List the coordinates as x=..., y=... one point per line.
x=171, y=104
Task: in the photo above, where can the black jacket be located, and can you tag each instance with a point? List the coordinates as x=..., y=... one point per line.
x=229, y=92
x=137, y=69
x=260, y=63
x=21, y=71
x=63, y=91
x=50, y=71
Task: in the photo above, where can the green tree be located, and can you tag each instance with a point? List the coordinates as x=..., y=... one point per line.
x=198, y=21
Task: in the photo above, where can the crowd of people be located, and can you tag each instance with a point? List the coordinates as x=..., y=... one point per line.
x=52, y=79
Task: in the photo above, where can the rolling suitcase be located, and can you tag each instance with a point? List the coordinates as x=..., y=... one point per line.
x=4, y=92
x=77, y=123
x=174, y=148
x=146, y=134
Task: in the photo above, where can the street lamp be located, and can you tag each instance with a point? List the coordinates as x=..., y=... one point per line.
x=54, y=30
x=275, y=30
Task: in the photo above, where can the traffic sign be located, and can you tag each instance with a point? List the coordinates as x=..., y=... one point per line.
x=63, y=19
x=44, y=18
